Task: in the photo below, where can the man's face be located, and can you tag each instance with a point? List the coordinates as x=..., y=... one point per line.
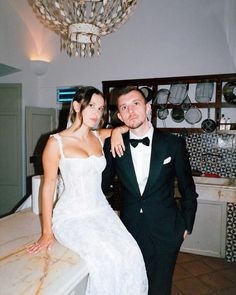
x=133, y=109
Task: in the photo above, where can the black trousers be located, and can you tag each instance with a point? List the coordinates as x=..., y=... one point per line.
x=159, y=261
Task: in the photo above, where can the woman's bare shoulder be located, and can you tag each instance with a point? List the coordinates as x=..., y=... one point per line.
x=104, y=133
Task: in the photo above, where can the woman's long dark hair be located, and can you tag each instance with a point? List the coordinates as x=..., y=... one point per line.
x=83, y=96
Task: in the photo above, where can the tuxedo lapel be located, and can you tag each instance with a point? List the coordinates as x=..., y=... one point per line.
x=157, y=155
x=127, y=162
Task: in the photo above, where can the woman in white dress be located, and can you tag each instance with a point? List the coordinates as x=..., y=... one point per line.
x=82, y=219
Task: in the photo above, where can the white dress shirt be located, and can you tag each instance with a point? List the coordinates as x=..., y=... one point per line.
x=141, y=156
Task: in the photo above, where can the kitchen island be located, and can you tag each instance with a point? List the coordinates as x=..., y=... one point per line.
x=56, y=272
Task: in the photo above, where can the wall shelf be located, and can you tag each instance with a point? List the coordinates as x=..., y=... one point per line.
x=155, y=84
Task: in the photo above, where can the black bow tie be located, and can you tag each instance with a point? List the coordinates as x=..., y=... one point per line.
x=135, y=142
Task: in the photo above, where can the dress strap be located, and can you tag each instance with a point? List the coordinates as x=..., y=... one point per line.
x=98, y=137
x=59, y=141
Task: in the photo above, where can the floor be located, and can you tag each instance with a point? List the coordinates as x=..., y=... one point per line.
x=202, y=275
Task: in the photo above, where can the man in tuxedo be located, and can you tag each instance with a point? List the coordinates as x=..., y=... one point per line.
x=146, y=172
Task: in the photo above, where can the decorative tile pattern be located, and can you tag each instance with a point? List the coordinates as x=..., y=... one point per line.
x=194, y=146
x=216, y=154
x=213, y=153
x=231, y=233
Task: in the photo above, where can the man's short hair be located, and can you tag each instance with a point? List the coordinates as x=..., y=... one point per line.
x=127, y=89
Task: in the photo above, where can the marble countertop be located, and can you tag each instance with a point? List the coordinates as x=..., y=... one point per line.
x=216, y=189
x=47, y=273
x=226, y=183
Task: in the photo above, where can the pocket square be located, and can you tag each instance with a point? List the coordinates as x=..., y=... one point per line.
x=167, y=160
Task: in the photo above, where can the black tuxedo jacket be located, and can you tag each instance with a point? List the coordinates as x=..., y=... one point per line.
x=163, y=218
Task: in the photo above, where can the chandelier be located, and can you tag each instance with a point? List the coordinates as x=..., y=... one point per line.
x=81, y=23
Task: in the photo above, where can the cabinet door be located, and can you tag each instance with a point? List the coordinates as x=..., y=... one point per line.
x=209, y=232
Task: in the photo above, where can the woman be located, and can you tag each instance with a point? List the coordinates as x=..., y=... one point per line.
x=82, y=219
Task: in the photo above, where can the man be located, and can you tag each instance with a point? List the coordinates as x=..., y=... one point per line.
x=147, y=171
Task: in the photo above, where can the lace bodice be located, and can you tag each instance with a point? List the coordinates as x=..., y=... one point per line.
x=81, y=179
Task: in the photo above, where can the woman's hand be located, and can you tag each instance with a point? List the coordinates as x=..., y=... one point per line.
x=45, y=242
x=117, y=143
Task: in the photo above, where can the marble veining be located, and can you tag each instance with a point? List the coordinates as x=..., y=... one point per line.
x=56, y=271
x=216, y=189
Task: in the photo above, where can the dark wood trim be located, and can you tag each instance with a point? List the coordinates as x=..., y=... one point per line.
x=177, y=130
x=155, y=83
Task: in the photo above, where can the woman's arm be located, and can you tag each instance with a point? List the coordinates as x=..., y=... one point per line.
x=117, y=144
x=50, y=166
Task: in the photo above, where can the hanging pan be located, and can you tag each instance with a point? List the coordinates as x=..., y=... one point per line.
x=229, y=92
x=161, y=97
x=147, y=92
x=186, y=104
x=178, y=93
x=162, y=113
x=204, y=91
x=208, y=125
x=177, y=114
x=193, y=115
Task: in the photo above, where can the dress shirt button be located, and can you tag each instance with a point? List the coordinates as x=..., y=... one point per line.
x=141, y=210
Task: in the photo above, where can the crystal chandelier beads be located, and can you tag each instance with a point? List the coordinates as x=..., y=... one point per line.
x=81, y=23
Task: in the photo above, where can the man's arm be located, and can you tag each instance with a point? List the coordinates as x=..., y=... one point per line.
x=186, y=185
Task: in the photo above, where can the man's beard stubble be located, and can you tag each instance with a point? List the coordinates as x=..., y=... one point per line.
x=134, y=125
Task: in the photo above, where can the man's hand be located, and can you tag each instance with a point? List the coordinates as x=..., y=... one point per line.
x=185, y=234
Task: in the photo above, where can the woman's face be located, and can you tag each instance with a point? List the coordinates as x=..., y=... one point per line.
x=92, y=114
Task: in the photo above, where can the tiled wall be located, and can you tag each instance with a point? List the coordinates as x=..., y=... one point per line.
x=216, y=153
x=230, y=251
x=213, y=153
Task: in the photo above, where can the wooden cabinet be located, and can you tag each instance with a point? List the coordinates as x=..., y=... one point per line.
x=155, y=84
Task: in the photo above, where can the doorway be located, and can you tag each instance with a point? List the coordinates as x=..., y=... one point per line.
x=40, y=123
x=10, y=147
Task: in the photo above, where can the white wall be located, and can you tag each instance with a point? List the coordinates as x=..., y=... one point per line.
x=162, y=38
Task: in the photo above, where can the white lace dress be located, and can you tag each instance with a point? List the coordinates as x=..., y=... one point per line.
x=84, y=222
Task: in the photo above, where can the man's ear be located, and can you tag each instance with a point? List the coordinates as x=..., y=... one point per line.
x=119, y=117
x=76, y=106
x=148, y=108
